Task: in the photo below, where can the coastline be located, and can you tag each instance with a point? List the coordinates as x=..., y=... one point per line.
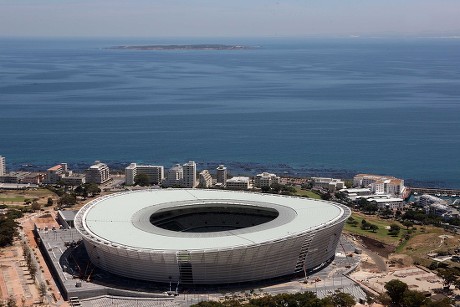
x=235, y=169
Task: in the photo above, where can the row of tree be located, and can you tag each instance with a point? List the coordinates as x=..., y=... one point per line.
x=338, y=299
x=8, y=226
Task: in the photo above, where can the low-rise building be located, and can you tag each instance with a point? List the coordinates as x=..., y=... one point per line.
x=328, y=184
x=74, y=179
x=14, y=177
x=265, y=180
x=205, y=180
x=392, y=203
x=238, y=183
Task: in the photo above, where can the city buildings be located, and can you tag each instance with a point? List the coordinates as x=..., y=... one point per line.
x=189, y=177
x=155, y=173
x=2, y=166
x=265, y=180
x=55, y=173
x=380, y=184
x=238, y=183
x=221, y=175
x=98, y=173
x=205, y=179
x=174, y=176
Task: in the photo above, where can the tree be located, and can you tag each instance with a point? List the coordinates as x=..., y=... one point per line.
x=407, y=224
x=395, y=289
x=50, y=202
x=11, y=302
x=373, y=227
x=342, y=299
x=36, y=206
x=42, y=290
x=394, y=230
x=448, y=276
x=142, y=180
x=92, y=189
x=67, y=200
x=326, y=196
x=414, y=299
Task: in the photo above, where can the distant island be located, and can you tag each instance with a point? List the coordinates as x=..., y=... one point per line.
x=184, y=47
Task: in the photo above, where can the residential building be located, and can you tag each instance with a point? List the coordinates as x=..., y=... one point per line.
x=265, y=180
x=328, y=184
x=155, y=173
x=189, y=179
x=2, y=166
x=54, y=174
x=98, y=173
x=175, y=176
x=205, y=180
x=221, y=175
x=238, y=183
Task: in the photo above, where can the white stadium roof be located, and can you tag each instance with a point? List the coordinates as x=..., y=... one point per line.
x=123, y=220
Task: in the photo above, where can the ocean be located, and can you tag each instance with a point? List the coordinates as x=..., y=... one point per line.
x=299, y=107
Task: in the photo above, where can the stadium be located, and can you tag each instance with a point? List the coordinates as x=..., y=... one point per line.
x=208, y=237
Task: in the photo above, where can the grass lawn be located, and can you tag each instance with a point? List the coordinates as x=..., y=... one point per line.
x=309, y=194
x=381, y=234
x=15, y=199
x=9, y=197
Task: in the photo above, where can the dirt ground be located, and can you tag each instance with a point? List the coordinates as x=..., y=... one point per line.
x=15, y=280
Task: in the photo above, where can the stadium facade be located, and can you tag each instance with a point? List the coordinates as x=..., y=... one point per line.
x=194, y=236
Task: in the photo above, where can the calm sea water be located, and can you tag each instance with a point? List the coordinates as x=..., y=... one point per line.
x=308, y=107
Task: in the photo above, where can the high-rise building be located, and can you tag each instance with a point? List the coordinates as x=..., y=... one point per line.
x=154, y=173
x=205, y=179
x=2, y=166
x=175, y=176
x=54, y=174
x=221, y=175
x=189, y=180
x=98, y=173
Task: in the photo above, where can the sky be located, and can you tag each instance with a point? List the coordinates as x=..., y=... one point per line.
x=229, y=18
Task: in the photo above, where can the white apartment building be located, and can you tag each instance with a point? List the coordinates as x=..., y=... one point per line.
x=205, y=179
x=238, y=183
x=221, y=175
x=391, y=203
x=380, y=184
x=154, y=172
x=265, y=180
x=2, y=166
x=175, y=176
x=98, y=173
x=189, y=180
x=329, y=184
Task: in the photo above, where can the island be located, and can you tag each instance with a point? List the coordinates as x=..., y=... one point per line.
x=184, y=47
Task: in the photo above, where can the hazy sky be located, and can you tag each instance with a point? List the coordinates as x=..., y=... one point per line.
x=237, y=18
